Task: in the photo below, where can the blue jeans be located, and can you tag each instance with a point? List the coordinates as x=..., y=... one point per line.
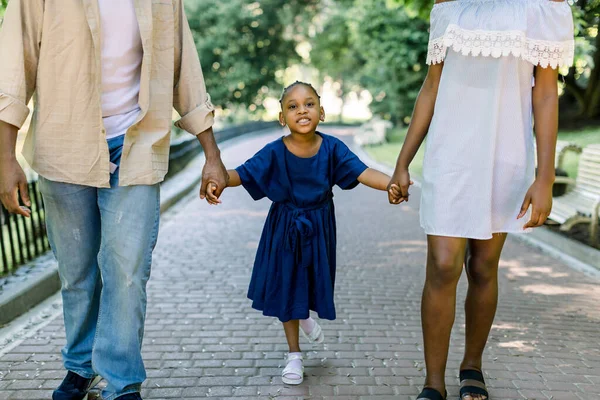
x=103, y=239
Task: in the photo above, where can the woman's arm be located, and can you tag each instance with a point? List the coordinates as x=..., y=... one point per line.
x=419, y=125
x=545, y=112
x=374, y=179
x=421, y=118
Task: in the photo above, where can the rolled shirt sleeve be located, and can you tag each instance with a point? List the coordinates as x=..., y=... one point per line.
x=20, y=38
x=12, y=111
x=190, y=97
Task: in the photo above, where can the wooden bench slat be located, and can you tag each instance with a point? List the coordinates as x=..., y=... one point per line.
x=579, y=204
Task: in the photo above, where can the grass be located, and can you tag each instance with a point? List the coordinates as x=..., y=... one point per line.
x=387, y=153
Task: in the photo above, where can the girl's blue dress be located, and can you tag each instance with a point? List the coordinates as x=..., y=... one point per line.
x=294, y=269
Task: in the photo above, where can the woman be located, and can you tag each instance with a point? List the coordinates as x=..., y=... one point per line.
x=493, y=69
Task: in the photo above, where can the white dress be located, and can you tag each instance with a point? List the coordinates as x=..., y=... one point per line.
x=479, y=157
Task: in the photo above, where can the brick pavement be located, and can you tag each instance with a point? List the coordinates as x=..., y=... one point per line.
x=203, y=339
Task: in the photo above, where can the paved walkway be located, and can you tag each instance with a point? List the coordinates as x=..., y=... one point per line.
x=203, y=339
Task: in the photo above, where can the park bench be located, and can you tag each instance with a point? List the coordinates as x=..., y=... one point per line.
x=562, y=148
x=372, y=132
x=581, y=204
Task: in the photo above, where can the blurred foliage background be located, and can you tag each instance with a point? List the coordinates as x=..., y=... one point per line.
x=250, y=49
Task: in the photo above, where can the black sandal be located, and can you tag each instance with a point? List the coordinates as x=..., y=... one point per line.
x=472, y=382
x=431, y=394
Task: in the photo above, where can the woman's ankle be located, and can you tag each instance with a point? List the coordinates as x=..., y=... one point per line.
x=438, y=384
x=471, y=365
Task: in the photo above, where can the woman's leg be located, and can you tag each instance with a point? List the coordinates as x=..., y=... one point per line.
x=482, y=298
x=445, y=257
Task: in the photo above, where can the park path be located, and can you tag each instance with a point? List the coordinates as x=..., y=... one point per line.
x=203, y=339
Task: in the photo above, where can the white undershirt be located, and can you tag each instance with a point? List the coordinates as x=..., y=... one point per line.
x=121, y=65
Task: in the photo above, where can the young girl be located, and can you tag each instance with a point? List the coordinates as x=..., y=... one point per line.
x=294, y=270
x=493, y=67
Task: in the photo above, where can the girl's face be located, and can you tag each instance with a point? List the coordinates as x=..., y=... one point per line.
x=301, y=110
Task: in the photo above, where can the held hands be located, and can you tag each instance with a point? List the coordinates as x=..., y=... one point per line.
x=13, y=183
x=539, y=196
x=398, y=187
x=211, y=194
x=214, y=180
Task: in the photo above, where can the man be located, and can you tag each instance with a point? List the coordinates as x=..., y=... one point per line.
x=106, y=74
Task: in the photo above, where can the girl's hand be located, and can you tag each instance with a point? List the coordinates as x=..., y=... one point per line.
x=539, y=196
x=394, y=194
x=211, y=194
x=398, y=186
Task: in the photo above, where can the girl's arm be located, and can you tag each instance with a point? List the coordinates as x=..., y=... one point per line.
x=418, y=128
x=212, y=187
x=374, y=179
x=234, y=178
x=545, y=111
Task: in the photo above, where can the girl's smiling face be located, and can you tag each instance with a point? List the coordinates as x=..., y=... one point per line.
x=301, y=109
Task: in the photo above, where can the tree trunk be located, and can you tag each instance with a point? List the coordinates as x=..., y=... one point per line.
x=587, y=98
x=592, y=93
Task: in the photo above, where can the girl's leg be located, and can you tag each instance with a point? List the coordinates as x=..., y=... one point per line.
x=307, y=324
x=292, y=334
x=482, y=298
x=312, y=330
x=445, y=256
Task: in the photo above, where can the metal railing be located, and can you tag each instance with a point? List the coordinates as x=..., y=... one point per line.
x=23, y=239
x=184, y=149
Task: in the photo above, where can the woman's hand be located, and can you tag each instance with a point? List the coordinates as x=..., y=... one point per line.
x=539, y=196
x=398, y=186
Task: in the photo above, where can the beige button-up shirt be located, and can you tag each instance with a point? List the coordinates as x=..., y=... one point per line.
x=51, y=48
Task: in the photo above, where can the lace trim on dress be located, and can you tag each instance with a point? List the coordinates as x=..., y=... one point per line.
x=501, y=43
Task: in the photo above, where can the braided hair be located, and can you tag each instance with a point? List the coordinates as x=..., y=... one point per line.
x=288, y=88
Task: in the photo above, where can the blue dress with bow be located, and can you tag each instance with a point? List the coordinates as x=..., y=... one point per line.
x=294, y=269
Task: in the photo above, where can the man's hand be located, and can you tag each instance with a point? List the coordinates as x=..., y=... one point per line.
x=214, y=173
x=13, y=183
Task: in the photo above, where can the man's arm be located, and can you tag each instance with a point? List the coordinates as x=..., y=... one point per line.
x=192, y=102
x=20, y=39
x=214, y=170
x=13, y=181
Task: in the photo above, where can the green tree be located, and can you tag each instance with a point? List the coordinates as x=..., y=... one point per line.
x=394, y=46
x=243, y=43
x=582, y=82
x=379, y=46
x=583, y=79
x=334, y=55
x=3, y=4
